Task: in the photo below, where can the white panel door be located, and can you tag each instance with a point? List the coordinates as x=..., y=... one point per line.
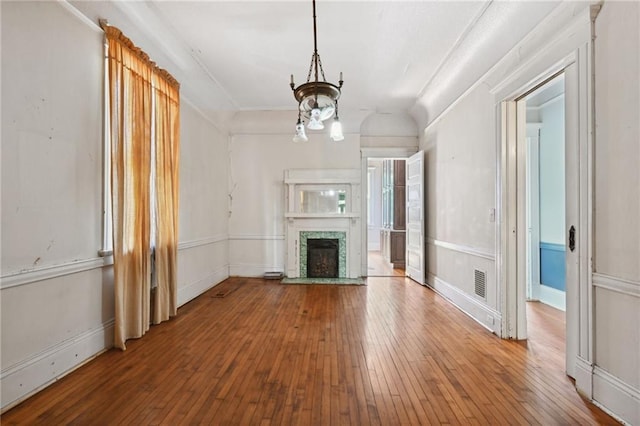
x=415, y=258
x=575, y=220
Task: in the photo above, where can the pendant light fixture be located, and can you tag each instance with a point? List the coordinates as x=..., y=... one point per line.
x=317, y=99
x=336, y=127
x=300, y=135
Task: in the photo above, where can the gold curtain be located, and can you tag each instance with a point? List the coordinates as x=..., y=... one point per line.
x=134, y=105
x=167, y=141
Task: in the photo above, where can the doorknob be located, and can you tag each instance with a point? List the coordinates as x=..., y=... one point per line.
x=572, y=238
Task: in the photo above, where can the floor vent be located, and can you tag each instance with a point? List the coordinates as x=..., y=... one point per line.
x=480, y=283
x=224, y=289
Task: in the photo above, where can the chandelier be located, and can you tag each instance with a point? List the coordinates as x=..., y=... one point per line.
x=317, y=100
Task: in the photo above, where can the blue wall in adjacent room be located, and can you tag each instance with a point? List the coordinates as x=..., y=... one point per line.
x=552, y=265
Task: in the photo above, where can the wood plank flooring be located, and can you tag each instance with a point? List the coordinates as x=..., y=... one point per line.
x=379, y=267
x=546, y=330
x=391, y=352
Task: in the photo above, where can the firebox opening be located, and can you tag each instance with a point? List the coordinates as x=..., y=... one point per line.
x=322, y=258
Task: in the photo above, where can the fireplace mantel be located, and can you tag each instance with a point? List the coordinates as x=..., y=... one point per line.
x=323, y=200
x=291, y=216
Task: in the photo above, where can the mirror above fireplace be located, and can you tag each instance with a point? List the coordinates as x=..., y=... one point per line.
x=321, y=198
x=320, y=193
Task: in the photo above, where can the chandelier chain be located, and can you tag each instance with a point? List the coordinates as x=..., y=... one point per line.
x=321, y=70
x=313, y=57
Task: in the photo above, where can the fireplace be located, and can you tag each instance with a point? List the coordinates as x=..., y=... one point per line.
x=322, y=258
x=324, y=205
x=330, y=247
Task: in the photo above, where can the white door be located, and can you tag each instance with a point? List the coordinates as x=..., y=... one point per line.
x=574, y=225
x=415, y=267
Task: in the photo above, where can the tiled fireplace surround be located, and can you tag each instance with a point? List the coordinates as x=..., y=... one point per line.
x=301, y=226
x=342, y=249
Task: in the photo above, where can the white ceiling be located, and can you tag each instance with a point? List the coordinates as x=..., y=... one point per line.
x=238, y=55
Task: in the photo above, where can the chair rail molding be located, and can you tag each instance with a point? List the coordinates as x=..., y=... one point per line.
x=619, y=285
x=461, y=248
x=256, y=237
x=183, y=245
x=29, y=276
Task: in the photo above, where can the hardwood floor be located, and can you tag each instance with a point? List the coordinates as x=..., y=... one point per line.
x=388, y=353
x=378, y=267
x=546, y=330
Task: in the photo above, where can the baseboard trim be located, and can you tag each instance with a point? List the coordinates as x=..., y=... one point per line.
x=251, y=270
x=195, y=289
x=584, y=377
x=27, y=377
x=16, y=279
x=24, y=379
x=473, y=251
x=553, y=297
x=616, y=397
x=486, y=316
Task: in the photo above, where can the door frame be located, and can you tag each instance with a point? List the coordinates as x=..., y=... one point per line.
x=365, y=154
x=533, y=211
x=519, y=207
x=571, y=52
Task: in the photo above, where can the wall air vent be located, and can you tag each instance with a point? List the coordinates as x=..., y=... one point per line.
x=480, y=280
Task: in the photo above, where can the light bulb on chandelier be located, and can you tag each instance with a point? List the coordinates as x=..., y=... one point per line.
x=336, y=127
x=315, y=121
x=300, y=135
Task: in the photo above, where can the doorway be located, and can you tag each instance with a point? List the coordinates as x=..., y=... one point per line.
x=545, y=219
x=525, y=151
x=545, y=195
x=386, y=224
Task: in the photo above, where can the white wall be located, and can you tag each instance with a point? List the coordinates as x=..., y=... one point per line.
x=617, y=210
x=51, y=137
x=259, y=156
x=56, y=293
x=460, y=155
x=56, y=298
x=552, y=204
x=203, y=258
x=617, y=141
